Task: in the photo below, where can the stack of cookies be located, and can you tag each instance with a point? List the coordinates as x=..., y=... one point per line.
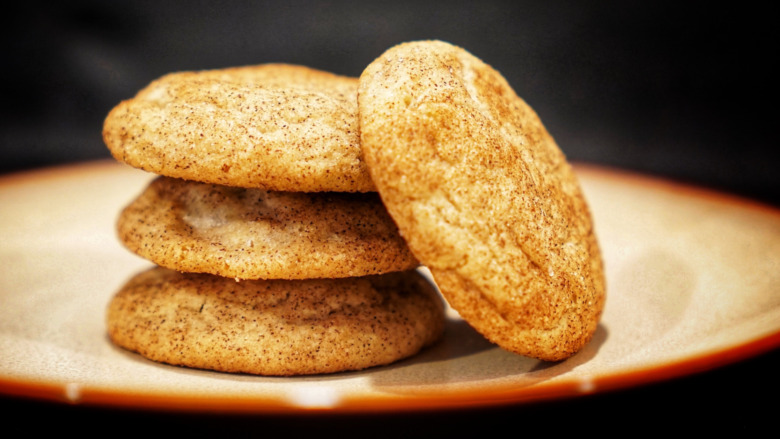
x=284, y=196
x=274, y=254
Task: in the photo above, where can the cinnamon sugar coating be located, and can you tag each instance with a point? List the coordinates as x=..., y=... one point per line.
x=272, y=126
x=483, y=196
x=254, y=233
x=275, y=327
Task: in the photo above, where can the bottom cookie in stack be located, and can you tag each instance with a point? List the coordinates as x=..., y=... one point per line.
x=269, y=283
x=275, y=327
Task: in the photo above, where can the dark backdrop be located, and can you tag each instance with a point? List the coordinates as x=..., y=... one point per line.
x=675, y=89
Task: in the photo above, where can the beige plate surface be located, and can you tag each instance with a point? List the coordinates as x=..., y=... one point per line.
x=693, y=283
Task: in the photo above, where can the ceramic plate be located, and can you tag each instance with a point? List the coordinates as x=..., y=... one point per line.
x=692, y=284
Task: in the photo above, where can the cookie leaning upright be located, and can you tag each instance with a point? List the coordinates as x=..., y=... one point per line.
x=272, y=126
x=483, y=196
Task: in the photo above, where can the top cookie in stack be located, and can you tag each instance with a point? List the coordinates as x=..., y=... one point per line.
x=273, y=126
x=261, y=180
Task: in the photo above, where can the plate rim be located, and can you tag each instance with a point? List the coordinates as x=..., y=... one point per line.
x=421, y=402
x=94, y=396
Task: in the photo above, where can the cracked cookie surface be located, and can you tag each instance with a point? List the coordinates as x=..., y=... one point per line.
x=275, y=327
x=253, y=233
x=272, y=126
x=484, y=197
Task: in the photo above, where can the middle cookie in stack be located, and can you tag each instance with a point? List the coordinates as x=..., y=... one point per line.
x=261, y=182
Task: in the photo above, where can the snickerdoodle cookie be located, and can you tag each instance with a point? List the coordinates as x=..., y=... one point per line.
x=275, y=327
x=271, y=126
x=253, y=233
x=483, y=196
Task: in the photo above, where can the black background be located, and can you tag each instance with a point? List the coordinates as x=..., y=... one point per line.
x=680, y=90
